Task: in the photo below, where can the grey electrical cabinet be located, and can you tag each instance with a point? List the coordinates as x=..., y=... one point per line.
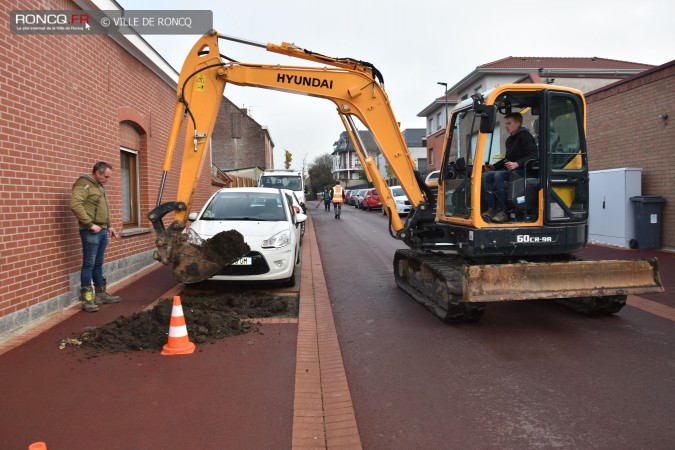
x=612, y=218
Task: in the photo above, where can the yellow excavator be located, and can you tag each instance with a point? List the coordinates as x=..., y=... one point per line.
x=458, y=259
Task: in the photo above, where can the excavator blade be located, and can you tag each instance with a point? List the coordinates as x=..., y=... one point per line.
x=194, y=263
x=456, y=289
x=555, y=280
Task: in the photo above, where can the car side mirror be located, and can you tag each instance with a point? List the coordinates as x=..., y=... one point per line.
x=300, y=217
x=193, y=216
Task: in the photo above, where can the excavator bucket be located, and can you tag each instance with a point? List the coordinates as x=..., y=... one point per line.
x=194, y=263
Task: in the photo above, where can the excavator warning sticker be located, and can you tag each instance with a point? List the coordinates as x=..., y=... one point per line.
x=200, y=82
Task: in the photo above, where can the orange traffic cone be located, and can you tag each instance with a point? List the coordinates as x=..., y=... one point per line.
x=179, y=342
x=37, y=446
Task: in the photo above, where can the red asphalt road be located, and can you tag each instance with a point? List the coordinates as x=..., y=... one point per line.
x=236, y=393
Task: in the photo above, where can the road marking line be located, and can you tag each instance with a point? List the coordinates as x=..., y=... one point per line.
x=652, y=307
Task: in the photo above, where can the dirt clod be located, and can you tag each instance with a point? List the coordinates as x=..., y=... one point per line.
x=208, y=318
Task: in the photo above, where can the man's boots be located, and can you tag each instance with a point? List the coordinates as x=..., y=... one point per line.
x=103, y=297
x=87, y=299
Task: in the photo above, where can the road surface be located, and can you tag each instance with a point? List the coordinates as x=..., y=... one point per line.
x=529, y=375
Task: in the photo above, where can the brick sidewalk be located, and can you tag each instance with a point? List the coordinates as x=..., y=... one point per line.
x=323, y=413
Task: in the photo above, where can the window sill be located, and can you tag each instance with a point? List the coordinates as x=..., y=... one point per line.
x=134, y=231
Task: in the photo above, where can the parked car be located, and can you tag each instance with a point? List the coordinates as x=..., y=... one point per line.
x=298, y=209
x=432, y=178
x=348, y=193
x=371, y=200
x=401, y=200
x=352, y=197
x=268, y=222
x=358, y=197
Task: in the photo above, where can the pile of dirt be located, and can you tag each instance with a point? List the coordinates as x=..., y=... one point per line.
x=208, y=318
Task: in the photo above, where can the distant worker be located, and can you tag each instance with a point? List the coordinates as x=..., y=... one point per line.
x=337, y=195
x=90, y=205
x=326, y=199
x=520, y=147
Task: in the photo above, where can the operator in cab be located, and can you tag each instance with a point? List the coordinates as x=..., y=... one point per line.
x=520, y=147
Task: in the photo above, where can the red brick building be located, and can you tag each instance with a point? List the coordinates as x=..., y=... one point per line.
x=630, y=124
x=239, y=141
x=66, y=102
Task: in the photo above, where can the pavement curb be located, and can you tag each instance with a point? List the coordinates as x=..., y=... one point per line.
x=323, y=413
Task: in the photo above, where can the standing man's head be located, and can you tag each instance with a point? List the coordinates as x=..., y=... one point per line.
x=512, y=122
x=337, y=182
x=101, y=172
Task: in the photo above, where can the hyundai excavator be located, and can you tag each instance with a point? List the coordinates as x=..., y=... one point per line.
x=457, y=260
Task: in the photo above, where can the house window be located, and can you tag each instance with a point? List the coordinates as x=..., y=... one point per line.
x=438, y=121
x=130, y=194
x=431, y=157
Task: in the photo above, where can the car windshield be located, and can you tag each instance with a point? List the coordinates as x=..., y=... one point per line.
x=292, y=182
x=397, y=192
x=245, y=206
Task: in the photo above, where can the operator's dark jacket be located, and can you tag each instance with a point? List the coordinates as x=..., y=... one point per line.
x=520, y=147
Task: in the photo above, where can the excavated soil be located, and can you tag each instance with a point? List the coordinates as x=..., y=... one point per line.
x=208, y=318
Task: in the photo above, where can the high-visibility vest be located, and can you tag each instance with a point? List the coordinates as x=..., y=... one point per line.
x=337, y=194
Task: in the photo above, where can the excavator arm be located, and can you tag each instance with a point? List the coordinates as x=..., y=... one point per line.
x=355, y=87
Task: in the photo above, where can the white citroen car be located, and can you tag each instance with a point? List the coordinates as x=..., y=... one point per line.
x=269, y=224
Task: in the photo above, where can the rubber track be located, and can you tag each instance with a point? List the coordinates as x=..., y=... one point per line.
x=436, y=281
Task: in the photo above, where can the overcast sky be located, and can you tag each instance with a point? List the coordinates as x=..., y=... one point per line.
x=414, y=45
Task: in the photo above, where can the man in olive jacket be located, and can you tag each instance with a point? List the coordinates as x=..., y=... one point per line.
x=90, y=205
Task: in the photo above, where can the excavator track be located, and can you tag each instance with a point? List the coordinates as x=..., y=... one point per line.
x=437, y=282
x=456, y=289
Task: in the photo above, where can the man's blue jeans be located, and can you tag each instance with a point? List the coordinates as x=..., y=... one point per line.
x=494, y=187
x=93, y=253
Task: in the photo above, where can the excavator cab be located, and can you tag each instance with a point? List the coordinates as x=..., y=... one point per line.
x=546, y=200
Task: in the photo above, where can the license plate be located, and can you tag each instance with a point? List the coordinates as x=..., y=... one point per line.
x=246, y=261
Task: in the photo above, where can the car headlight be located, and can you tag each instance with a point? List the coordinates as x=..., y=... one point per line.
x=400, y=202
x=279, y=240
x=193, y=237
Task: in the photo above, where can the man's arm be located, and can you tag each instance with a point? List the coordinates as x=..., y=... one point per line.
x=529, y=148
x=77, y=199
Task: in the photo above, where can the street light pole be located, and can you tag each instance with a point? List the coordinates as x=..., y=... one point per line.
x=445, y=85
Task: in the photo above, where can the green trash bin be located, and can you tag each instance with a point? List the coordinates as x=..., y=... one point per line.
x=648, y=213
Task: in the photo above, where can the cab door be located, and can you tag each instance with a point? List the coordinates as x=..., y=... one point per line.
x=566, y=163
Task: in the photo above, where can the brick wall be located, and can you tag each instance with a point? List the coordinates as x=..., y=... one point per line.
x=624, y=130
x=239, y=141
x=435, y=145
x=65, y=103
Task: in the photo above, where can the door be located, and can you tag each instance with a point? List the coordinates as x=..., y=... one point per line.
x=566, y=164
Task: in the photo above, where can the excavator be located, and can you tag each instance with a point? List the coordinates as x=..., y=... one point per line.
x=457, y=260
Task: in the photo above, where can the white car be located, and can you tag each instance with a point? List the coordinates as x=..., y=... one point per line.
x=401, y=200
x=298, y=209
x=269, y=224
